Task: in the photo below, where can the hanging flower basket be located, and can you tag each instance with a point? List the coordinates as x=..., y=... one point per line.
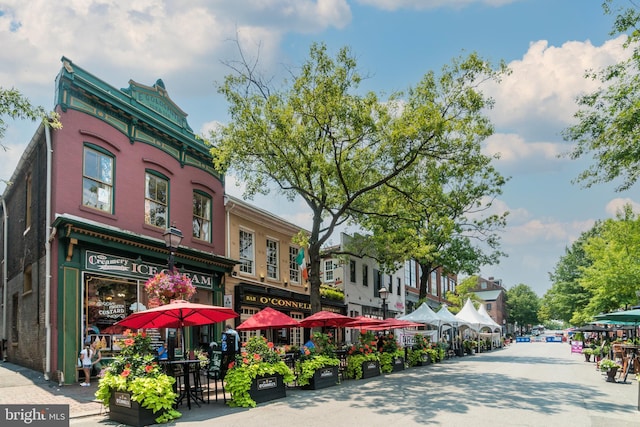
x=170, y=286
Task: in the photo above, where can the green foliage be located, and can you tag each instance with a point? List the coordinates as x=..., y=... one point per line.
x=322, y=354
x=258, y=358
x=134, y=370
x=522, y=305
x=416, y=356
x=366, y=344
x=331, y=293
x=387, y=359
x=463, y=291
x=306, y=368
x=14, y=105
x=566, y=297
x=354, y=364
x=320, y=137
x=607, y=118
x=613, y=276
x=606, y=364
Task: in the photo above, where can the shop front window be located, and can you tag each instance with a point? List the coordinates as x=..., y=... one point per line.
x=108, y=300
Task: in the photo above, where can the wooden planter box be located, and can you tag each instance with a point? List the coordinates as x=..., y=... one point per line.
x=124, y=410
x=323, y=378
x=370, y=368
x=268, y=387
x=398, y=364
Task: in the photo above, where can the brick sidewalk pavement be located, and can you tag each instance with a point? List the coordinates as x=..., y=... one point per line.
x=20, y=385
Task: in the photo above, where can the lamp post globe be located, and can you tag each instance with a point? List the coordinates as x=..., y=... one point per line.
x=172, y=238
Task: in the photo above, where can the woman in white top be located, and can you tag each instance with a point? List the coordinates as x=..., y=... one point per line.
x=86, y=357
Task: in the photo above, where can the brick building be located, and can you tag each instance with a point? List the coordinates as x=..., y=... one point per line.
x=84, y=217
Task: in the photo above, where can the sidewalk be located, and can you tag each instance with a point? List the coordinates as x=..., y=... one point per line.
x=20, y=385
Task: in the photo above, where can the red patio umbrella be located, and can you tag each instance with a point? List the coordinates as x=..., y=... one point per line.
x=325, y=318
x=394, y=324
x=363, y=322
x=177, y=314
x=268, y=318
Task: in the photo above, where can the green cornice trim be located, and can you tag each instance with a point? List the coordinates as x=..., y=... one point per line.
x=73, y=229
x=137, y=112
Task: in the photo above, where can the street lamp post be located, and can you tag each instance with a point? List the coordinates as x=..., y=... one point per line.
x=384, y=293
x=172, y=238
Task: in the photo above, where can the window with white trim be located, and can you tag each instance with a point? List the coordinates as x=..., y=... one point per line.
x=294, y=268
x=156, y=200
x=272, y=259
x=97, y=180
x=246, y=255
x=201, y=216
x=328, y=271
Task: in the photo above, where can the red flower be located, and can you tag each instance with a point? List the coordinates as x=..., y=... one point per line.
x=148, y=368
x=256, y=357
x=125, y=373
x=129, y=342
x=270, y=344
x=231, y=365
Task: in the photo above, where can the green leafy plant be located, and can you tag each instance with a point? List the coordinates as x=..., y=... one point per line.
x=307, y=368
x=134, y=371
x=607, y=364
x=363, y=351
x=390, y=350
x=258, y=358
x=321, y=355
x=416, y=356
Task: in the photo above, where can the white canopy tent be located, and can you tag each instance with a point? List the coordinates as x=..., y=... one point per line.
x=470, y=315
x=425, y=315
x=449, y=321
x=496, y=329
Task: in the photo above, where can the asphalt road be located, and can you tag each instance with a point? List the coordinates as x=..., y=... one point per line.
x=526, y=384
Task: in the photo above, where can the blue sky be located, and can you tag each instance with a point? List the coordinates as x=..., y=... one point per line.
x=547, y=44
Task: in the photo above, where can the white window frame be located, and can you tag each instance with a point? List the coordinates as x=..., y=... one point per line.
x=246, y=255
x=102, y=184
x=328, y=271
x=272, y=256
x=294, y=268
x=152, y=203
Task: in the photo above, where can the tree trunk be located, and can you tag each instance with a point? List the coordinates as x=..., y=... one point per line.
x=314, y=277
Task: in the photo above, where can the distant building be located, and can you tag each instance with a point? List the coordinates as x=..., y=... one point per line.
x=493, y=295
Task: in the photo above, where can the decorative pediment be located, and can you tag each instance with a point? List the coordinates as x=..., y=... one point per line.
x=157, y=99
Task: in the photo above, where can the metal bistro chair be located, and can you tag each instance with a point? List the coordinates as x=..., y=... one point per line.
x=214, y=372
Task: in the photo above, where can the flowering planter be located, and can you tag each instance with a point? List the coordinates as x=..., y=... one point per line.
x=424, y=360
x=268, y=387
x=398, y=364
x=124, y=410
x=323, y=378
x=370, y=368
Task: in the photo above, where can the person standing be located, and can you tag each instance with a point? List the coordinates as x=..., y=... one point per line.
x=86, y=358
x=230, y=346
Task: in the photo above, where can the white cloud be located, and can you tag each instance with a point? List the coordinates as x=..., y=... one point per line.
x=538, y=99
x=429, y=4
x=617, y=205
x=513, y=148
